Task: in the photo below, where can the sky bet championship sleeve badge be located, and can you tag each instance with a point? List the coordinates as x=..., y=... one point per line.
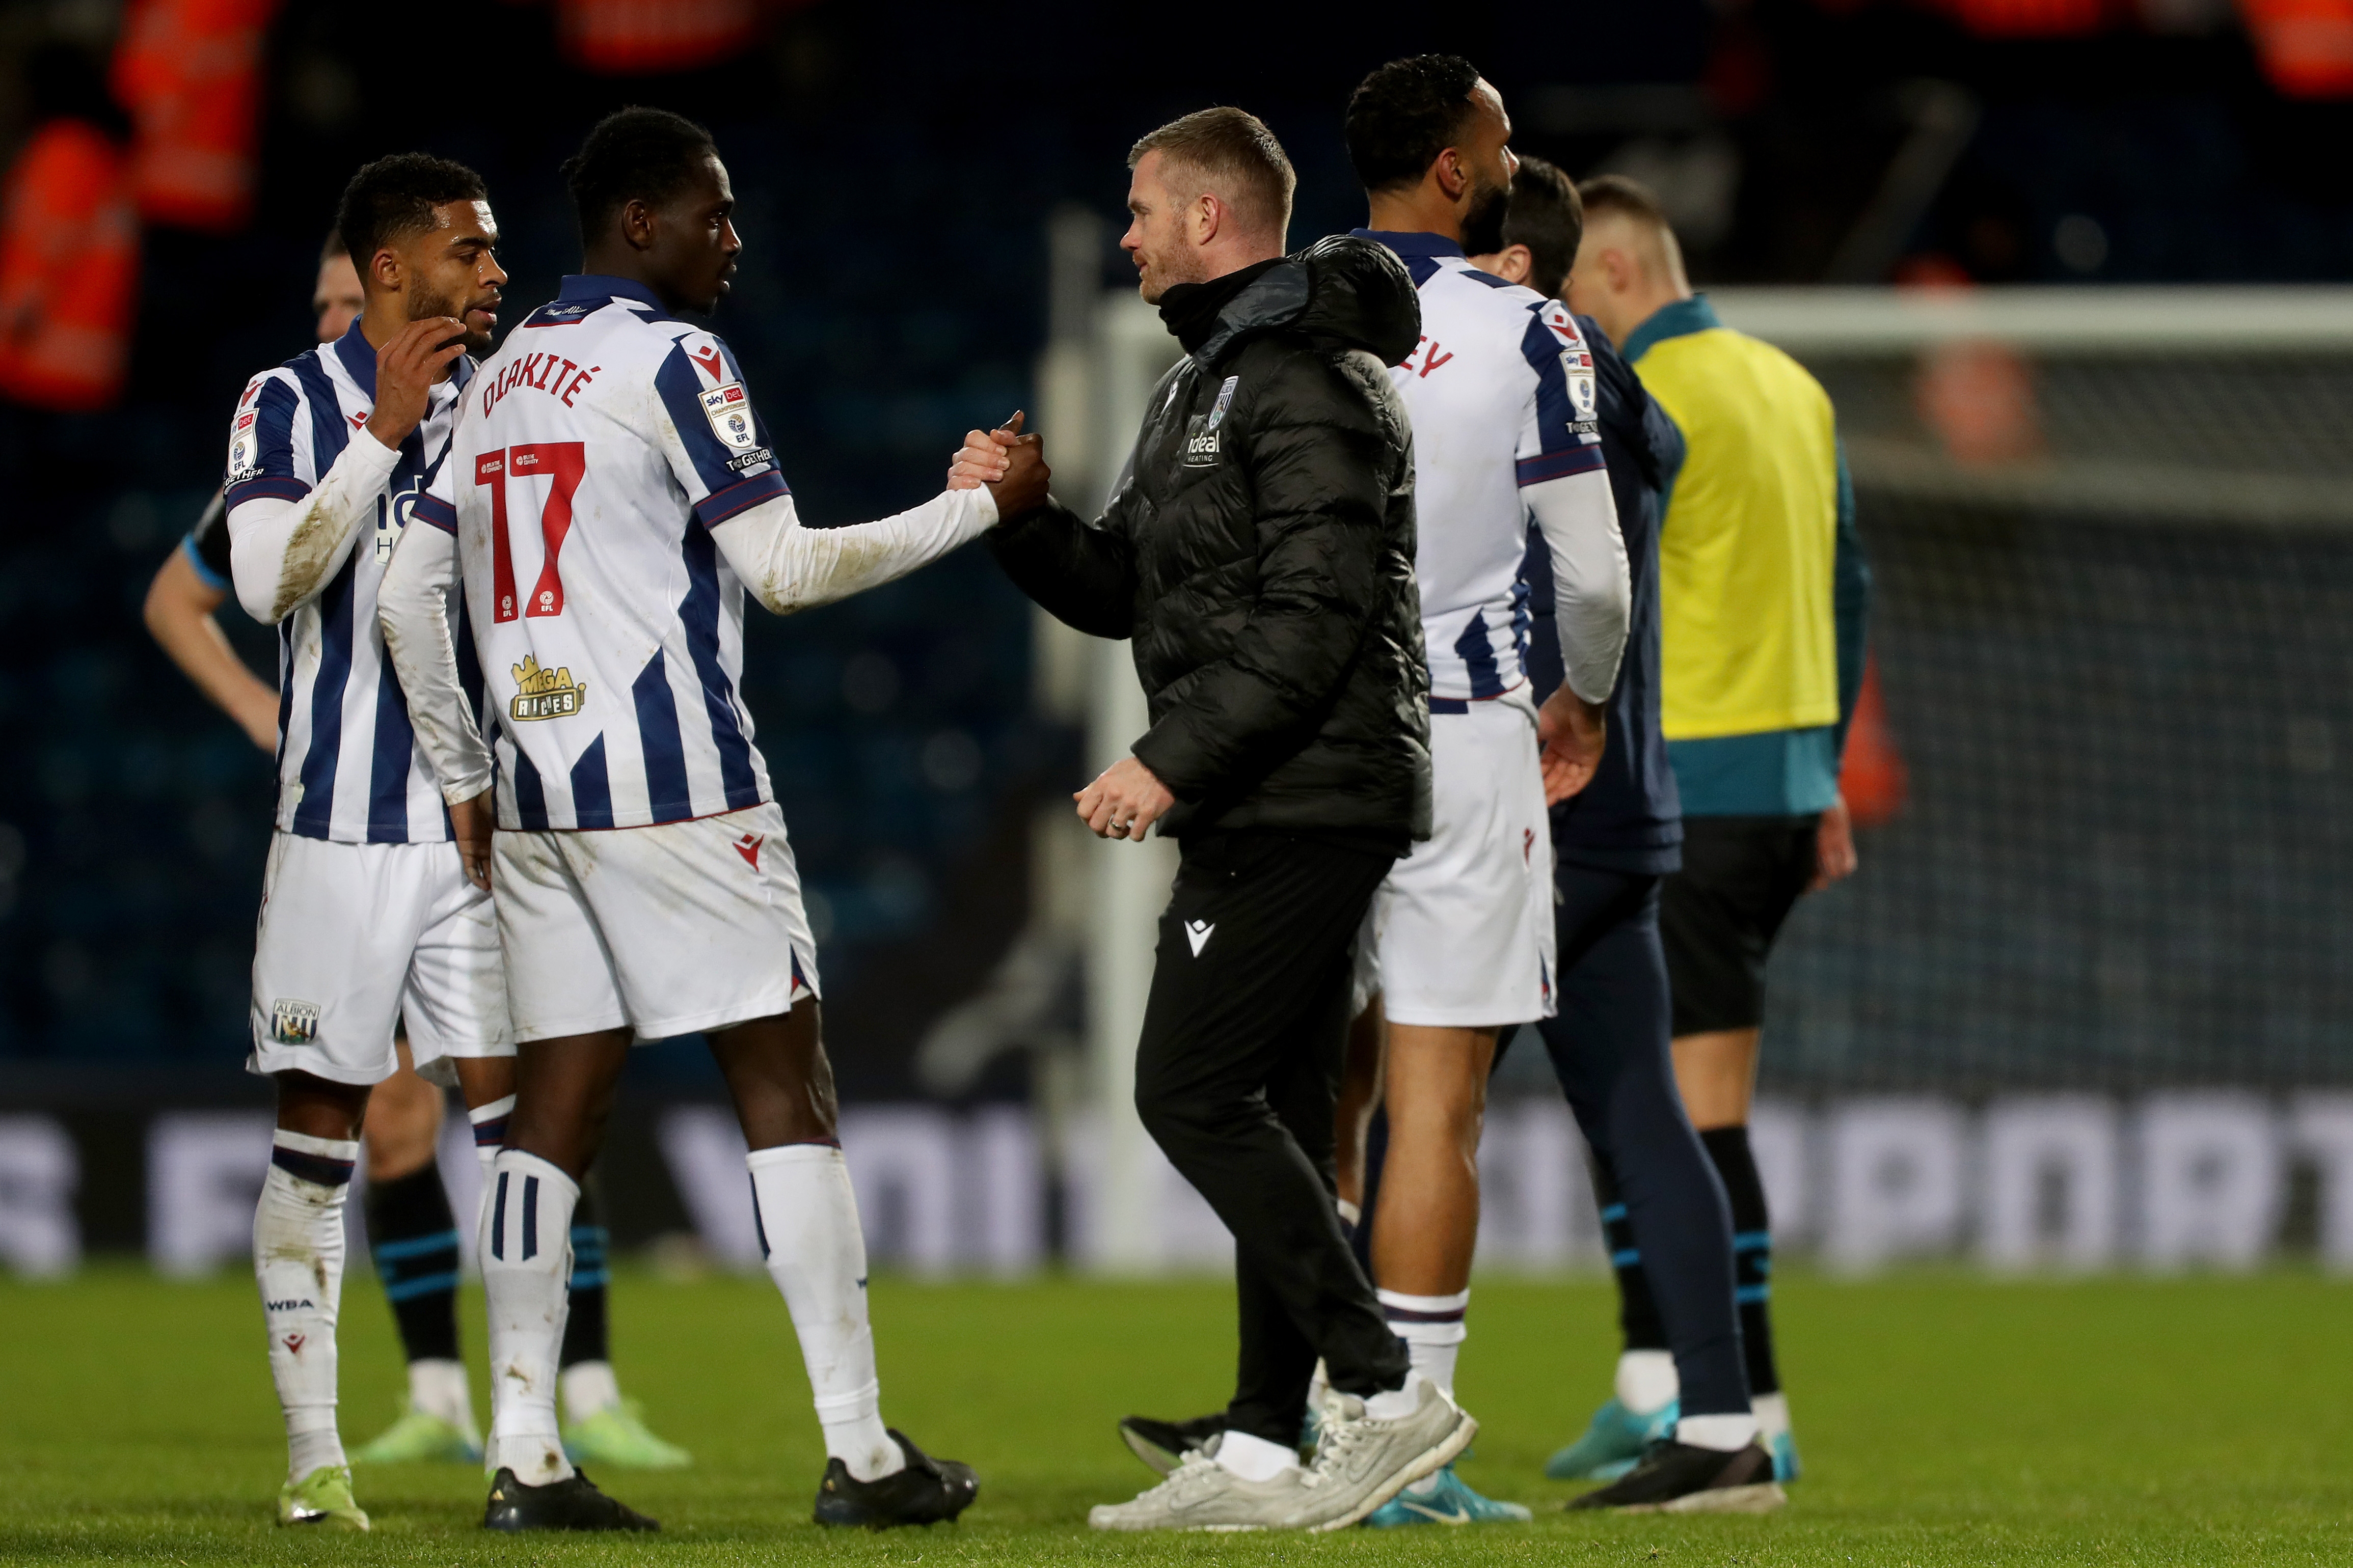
x=730, y=413
x=545, y=693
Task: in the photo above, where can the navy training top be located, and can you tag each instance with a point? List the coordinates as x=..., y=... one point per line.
x=1629, y=818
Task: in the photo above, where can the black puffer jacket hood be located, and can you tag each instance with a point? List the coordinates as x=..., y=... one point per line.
x=1342, y=292
x=1259, y=550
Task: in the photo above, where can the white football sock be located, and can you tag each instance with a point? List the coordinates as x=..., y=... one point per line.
x=437, y=1387
x=1396, y=1404
x=1725, y=1434
x=490, y=1123
x=1772, y=1411
x=297, y=1261
x=1432, y=1329
x=588, y=1387
x=808, y=1216
x=1255, y=1459
x=526, y=1257
x=1647, y=1381
x=1319, y=1387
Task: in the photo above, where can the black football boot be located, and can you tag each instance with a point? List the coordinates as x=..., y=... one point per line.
x=922, y=1491
x=573, y=1503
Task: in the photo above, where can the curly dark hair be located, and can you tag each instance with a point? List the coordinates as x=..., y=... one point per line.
x=394, y=198
x=1405, y=114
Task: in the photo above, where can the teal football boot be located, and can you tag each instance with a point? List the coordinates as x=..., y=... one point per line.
x=1783, y=1446
x=1447, y=1500
x=1614, y=1441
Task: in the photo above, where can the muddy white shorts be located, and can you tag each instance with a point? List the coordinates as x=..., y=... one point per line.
x=664, y=931
x=354, y=937
x=1462, y=926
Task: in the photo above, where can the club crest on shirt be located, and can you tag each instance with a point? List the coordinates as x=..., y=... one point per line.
x=293, y=1023
x=730, y=413
x=1225, y=401
x=545, y=693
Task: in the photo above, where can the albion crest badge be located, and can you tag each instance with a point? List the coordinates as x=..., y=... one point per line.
x=293, y=1023
x=1201, y=442
x=730, y=413
x=544, y=693
x=1225, y=401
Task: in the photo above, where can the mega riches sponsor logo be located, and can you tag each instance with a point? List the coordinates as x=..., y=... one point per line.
x=293, y=1023
x=545, y=693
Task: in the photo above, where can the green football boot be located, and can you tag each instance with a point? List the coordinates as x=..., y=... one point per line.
x=420, y=1437
x=322, y=1498
x=618, y=1435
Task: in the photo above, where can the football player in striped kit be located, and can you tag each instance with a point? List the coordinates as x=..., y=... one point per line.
x=367, y=918
x=412, y=1233
x=609, y=495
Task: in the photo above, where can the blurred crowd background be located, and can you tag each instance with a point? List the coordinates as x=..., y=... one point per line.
x=174, y=164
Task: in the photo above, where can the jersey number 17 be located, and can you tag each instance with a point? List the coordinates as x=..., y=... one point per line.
x=563, y=462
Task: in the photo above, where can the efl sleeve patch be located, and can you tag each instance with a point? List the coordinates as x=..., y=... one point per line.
x=729, y=409
x=720, y=440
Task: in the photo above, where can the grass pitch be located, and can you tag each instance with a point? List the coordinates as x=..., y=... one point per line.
x=1943, y=1420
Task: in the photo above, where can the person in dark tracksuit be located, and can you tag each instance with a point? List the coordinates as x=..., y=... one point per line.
x=1259, y=552
x=1614, y=843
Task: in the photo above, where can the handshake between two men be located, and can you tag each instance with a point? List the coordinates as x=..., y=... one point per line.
x=1126, y=799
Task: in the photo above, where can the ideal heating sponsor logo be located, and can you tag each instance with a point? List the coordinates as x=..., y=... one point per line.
x=545, y=693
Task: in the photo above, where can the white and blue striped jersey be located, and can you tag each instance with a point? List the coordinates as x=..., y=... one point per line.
x=349, y=769
x=1500, y=392
x=596, y=450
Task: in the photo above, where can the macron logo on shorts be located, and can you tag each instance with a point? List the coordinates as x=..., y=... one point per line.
x=748, y=847
x=1198, y=933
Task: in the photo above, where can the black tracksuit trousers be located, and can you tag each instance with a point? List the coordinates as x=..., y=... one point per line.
x=1609, y=1049
x=1236, y=1077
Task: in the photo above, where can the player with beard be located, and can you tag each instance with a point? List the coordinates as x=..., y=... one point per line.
x=1502, y=392
x=411, y=1232
x=368, y=920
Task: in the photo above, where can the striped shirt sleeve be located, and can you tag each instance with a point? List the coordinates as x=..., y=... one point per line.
x=719, y=448
x=263, y=459
x=1560, y=433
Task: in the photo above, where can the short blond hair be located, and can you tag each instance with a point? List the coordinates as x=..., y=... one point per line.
x=1229, y=153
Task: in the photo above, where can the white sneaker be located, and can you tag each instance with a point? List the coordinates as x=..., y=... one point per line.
x=1202, y=1494
x=1361, y=1462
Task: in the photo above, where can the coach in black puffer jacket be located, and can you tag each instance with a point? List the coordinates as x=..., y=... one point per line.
x=1260, y=552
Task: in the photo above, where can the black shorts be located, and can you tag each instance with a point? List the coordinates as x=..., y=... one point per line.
x=1719, y=914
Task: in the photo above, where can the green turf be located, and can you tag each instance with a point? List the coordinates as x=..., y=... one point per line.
x=1944, y=1419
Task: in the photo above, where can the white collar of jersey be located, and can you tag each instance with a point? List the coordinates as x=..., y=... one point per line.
x=585, y=286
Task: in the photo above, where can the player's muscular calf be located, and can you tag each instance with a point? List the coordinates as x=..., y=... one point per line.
x=564, y=1097
x=321, y=1108
x=775, y=1069
x=779, y=1076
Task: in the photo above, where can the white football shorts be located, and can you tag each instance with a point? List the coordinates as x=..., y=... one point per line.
x=354, y=937
x=1463, y=924
x=669, y=930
